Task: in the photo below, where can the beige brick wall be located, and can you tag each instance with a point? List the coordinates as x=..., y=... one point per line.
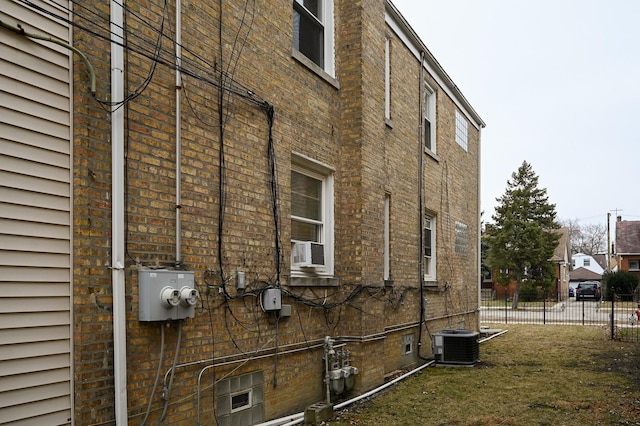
x=342, y=127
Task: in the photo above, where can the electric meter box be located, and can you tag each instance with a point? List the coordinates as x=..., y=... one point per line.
x=159, y=294
x=272, y=299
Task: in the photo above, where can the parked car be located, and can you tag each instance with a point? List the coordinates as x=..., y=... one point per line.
x=572, y=292
x=588, y=290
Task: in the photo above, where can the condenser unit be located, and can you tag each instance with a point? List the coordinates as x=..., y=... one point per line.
x=456, y=347
x=308, y=254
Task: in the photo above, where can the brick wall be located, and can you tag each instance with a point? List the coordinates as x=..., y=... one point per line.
x=229, y=227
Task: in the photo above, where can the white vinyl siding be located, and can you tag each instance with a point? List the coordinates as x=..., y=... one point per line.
x=35, y=219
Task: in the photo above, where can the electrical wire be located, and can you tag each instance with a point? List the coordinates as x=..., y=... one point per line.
x=155, y=383
x=167, y=391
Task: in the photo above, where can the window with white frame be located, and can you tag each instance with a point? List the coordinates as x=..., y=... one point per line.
x=313, y=31
x=429, y=119
x=312, y=210
x=386, y=237
x=634, y=264
x=429, y=247
x=387, y=77
x=586, y=262
x=462, y=136
x=462, y=237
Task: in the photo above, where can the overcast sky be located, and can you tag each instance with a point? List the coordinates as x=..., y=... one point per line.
x=557, y=83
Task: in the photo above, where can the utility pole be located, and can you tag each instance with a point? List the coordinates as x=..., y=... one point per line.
x=608, y=242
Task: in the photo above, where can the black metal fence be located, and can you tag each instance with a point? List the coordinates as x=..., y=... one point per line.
x=618, y=314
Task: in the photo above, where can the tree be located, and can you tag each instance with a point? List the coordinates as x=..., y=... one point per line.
x=589, y=239
x=523, y=237
x=622, y=283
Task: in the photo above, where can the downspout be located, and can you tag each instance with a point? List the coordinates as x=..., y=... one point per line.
x=421, y=204
x=479, y=229
x=117, y=216
x=178, y=131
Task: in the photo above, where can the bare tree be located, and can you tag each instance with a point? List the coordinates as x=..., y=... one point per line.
x=590, y=238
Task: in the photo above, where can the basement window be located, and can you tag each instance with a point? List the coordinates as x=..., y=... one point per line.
x=240, y=401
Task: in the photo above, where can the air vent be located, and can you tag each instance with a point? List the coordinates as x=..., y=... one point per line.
x=308, y=254
x=456, y=347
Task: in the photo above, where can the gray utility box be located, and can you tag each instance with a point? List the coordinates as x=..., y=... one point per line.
x=156, y=286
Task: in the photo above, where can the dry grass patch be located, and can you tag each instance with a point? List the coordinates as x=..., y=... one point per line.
x=532, y=375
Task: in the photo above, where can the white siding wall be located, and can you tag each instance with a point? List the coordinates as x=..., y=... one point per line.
x=35, y=219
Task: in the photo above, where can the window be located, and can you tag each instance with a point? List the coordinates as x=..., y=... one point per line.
x=241, y=401
x=387, y=245
x=634, y=265
x=429, y=119
x=462, y=237
x=387, y=78
x=586, y=262
x=429, y=236
x=462, y=137
x=313, y=31
x=312, y=209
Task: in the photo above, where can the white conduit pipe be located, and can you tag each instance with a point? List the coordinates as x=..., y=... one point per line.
x=117, y=217
x=298, y=418
x=178, y=132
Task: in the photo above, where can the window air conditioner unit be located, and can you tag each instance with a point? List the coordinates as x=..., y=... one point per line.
x=456, y=347
x=308, y=254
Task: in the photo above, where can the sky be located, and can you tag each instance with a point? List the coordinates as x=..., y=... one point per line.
x=557, y=83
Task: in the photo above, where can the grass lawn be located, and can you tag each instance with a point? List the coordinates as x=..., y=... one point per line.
x=531, y=375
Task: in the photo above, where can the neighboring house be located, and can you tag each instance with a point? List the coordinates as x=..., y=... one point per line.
x=243, y=183
x=561, y=256
x=562, y=267
x=628, y=245
x=586, y=261
x=585, y=268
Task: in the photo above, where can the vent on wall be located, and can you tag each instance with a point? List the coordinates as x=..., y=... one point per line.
x=456, y=347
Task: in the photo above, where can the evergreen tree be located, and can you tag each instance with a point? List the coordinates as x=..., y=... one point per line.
x=523, y=237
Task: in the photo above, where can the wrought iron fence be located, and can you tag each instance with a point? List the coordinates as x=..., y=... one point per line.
x=619, y=314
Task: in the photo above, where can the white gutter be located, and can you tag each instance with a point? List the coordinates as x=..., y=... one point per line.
x=178, y=130
x=117, y=217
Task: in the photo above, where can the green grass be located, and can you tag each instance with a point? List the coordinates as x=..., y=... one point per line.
x=532, y=375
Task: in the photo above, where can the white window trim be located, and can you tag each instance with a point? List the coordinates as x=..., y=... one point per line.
x=243, y=407
x=387, y=77
x=386, y=237
x=431, y=276
x=317, y=170
x=462, y=130
x=637, y=265
x=430, y=113
x=327, y=20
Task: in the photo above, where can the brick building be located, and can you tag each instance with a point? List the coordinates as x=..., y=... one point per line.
x=296, y=170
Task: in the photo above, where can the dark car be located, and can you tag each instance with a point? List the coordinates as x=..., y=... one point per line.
x=588, y=290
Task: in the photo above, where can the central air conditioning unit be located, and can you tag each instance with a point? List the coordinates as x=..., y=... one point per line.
x=456, y=347
x=308, y=254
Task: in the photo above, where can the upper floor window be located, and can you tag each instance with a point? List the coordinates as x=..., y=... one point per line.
x=462, y=237
x=387, y=78
x=586, y=262
x=462, y=136
x=313, y=31
x=429, y=119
